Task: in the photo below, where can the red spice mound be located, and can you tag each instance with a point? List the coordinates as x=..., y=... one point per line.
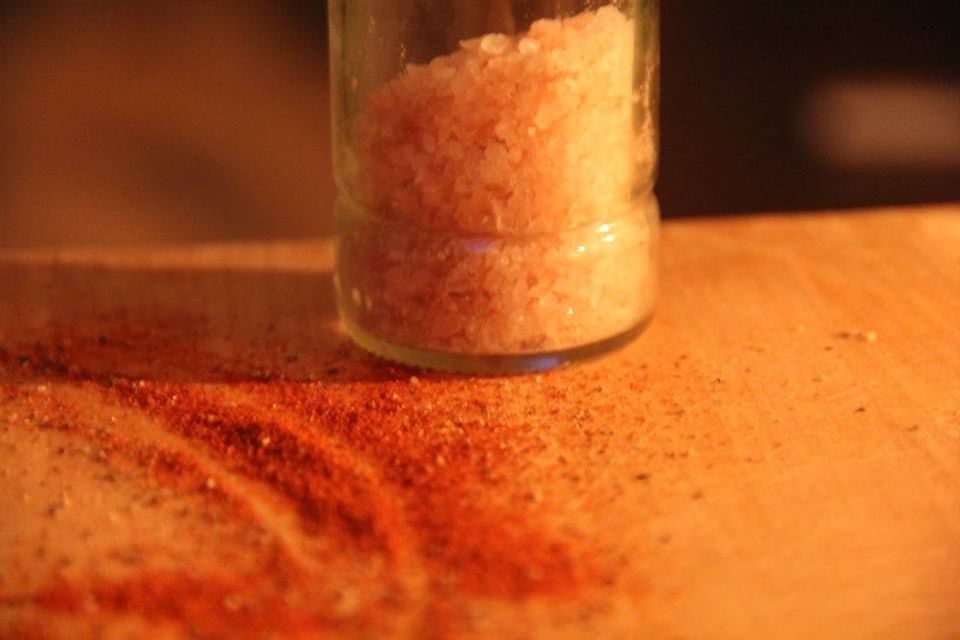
x=400, y=493
x=213, y=607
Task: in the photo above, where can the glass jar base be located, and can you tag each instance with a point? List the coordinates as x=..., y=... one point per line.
x=491, y=364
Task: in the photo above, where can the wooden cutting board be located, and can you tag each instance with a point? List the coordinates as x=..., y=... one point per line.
x=190, y=448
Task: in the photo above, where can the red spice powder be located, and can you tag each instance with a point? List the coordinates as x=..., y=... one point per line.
x=23, y=630
x=214, y=607
x=446, y=465
x=417, y=474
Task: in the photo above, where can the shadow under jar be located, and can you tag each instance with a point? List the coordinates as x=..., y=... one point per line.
x=495, y=164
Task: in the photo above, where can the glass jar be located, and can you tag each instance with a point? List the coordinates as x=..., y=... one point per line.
x=495, y=164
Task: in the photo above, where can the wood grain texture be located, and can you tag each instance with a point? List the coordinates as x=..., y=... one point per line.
x=190, y=447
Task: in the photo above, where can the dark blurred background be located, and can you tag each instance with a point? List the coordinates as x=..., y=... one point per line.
x=150, y=121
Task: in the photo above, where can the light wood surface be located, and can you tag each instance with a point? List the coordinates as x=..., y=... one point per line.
x=778, y=456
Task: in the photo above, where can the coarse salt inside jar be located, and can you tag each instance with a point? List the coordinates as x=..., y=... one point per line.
x=495, y=166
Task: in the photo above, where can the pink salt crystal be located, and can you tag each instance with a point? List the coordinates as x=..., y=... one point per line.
x=509, y=165
x=494, y=43
x=442, y=72
x=572, y=76
x=528, y=46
